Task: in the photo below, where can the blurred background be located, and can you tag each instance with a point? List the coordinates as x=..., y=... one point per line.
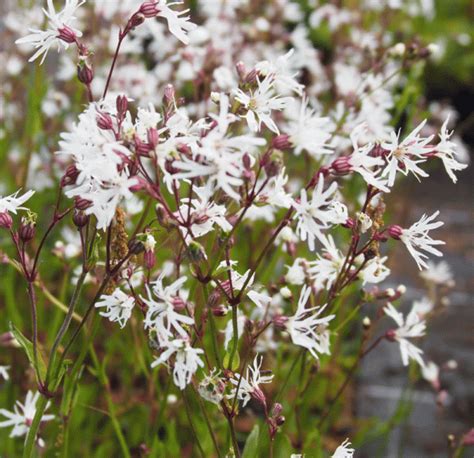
x=413, y=424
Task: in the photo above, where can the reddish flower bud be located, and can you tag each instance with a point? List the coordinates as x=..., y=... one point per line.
x=247, y=162
x=149, y=9
x=258, y=395
x=279, y=321
x=251, y=76
x=341, y=166
x=149, y=258
x=80, y=219
x=85, y=72
x=468, y=438
x=81, y=204
x=104, y=121
x=141, y=147
x=67, y=34
x=152, y=137
x=280, y=420
x=6, y=220
x=27, y=231
x=240, y=67
x=281, y=142
x=219, y=311
x=140, y=184
x=277, y=409
x=178, y=303
x=122, y=105
x=136, y=20
x=391, y=335
x=395, y=231
x=349, y=224
x=378, y=151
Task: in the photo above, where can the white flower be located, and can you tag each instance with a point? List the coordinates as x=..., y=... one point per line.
x=306, y=329
x=118, y=306
x=411, y=327
x=405, y=156
x=296, y=273
x=261, y=300
x=22, y=416
x=309, y=132
x=42, y=40
x=362, y=162
x=219, y=156
x=445, y=150
x=161, y=314
x=211, y=387
x=260, y=104
x=324, y=271
x=317, y=214
x=4, y=372
x=249, y=385
x=97, y=156
x=423, y=306
x=202, y=213
x=430, y=372
x=375, y=271
x=439, y=274
x=281, y=72
x=416, y=238
x=12, y=203
x=345, y=450
x=187, y=360
x=177, y=24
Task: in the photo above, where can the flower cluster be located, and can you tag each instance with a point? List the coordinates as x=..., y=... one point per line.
x=226, y=184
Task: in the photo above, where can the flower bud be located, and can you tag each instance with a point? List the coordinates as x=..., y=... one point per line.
x=152, y=137
x=149, y=9
x=85, y=72
x=66, y=34
x=391, y=334
x=79, y=218
x=366, y=323
x=219, y=311
x=6, y=220
x=279, y=321
x=258, y=395
x=70, y=176
x=104, y=121
x=280, y=420
x=251, y=76
x=27, y=230
x=341, y=166
x=122, y=105
x=178, y=303
x=282, y=142
x=82, y=204
x=240, y=67
x=276, y=409
x=136, y=20
x=395, y=231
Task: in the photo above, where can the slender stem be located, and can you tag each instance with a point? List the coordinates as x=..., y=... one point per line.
x=117, y=49
x=65, y=324
x=188, y=413
x=110, y=405
x=34, y=325
x=208, y=423
x=33, y=431
x=348, y=378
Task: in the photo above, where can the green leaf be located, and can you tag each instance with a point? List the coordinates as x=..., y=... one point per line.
x=28, y=347
x=235, y=361
x=251, y=445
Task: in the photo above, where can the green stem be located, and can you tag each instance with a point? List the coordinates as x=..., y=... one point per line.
x=33, y=431
x=110, y=405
